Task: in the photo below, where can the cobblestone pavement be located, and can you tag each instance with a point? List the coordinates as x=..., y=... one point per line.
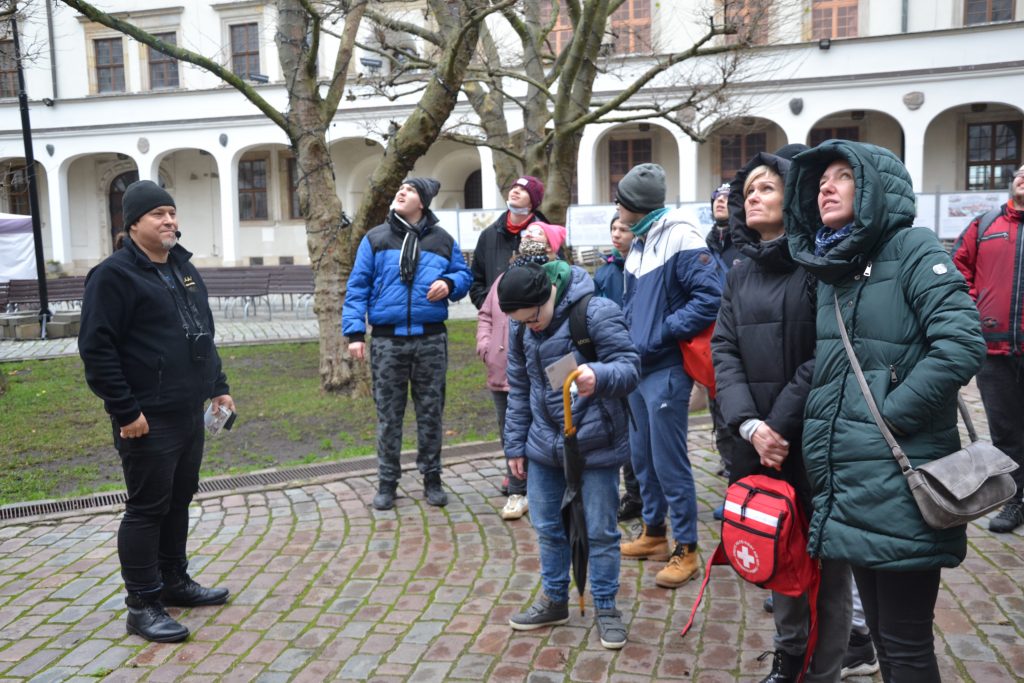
x=326, y=588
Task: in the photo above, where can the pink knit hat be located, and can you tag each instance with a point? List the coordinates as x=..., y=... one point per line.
x=554, y=233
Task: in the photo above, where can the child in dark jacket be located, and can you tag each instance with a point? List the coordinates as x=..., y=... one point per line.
x=538, y=300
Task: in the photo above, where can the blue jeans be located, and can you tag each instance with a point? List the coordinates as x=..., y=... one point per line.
x=544, y=488
x=660, y=407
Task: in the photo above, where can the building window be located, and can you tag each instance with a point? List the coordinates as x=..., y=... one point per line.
x=819, y=135
x=294, y=209
x=987, y=11
x=993, y=154
x=109, y=65
x=17, y=190
x=252, y=189
x=624, y=155
x=561, y=33
x=631, y=26
x=163, y=69
x=736, y=151
x=833, y=19
x=8, y=69
x=750, y=19
x=245, y=49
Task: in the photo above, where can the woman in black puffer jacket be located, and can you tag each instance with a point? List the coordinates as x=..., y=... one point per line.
x=763, y=350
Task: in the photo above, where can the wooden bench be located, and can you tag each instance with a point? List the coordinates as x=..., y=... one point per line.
x=294, y=284
x=242, y=286
x=24, y=294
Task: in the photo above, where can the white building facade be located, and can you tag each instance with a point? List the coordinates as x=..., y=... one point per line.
x=936, y=81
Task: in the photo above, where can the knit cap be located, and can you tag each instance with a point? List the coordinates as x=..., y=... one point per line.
x=642, y=190
x=140, y=198
x=534, y=187
x=426, y=188
x=526, y=286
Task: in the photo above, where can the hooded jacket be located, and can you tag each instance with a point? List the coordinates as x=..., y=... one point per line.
x=609, y=278
x=132, y=340
x=763, y=345
x=375, y=287
x=673, y=287
x=493, y=251
x=993, y=265
x=492, y=339
x=915, y=332
x=534, y=420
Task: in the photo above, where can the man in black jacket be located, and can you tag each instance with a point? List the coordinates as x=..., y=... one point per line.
x=498, y=241
x=146, y=341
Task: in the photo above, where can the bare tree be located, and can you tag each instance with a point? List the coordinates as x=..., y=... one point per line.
x=331, y=239
x=546, y=78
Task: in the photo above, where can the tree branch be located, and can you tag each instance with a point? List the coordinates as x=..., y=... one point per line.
x=343, y=58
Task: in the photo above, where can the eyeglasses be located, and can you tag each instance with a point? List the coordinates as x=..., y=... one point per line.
x=535, y=319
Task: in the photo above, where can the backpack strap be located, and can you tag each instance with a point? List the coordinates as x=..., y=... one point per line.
x=578, y=328
x=987, y=219
x=717, y=557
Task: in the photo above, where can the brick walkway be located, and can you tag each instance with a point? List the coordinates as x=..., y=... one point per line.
x=325, y=588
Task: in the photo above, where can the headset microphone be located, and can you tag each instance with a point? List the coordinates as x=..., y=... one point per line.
x=177, y=233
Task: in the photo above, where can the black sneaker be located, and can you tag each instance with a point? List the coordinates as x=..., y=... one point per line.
x=542, y=613
x=630, y=507
x=385, y=498
x=769, y=604
x=785, y=667
x=1008, y=519
x=860, y=657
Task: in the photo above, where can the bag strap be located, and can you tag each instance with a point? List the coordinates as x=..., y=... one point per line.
x=971, y=433
x=578, y=328
x=897, y=452
x=717, y=557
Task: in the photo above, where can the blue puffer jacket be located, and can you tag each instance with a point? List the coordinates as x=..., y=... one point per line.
x=673, y=289
x=376, y=290
x=533, y=423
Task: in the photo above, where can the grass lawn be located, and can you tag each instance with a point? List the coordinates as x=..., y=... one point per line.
x=55, y=438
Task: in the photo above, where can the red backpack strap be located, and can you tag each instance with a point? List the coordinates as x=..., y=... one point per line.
x=717, y=557
x=812, y=629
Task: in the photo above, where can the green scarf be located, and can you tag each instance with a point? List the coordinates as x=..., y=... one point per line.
x=560, y=273
x=645, y=223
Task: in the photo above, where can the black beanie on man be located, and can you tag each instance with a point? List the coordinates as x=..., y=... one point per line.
x=526, y=286
x=426, y=188
x=642, y=190
x=140, y=198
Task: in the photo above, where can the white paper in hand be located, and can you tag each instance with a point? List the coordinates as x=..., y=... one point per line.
x=216, y=418
x=559, y=370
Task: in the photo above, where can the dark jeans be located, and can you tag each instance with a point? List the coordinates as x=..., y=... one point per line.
x=516, y=487
x=900, y=610
x=161, y=472
x=1001, y=383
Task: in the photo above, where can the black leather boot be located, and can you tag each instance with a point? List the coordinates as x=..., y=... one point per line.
x=785, y=667
x=148, y=618
x=385, y=498
x=432, y=488
x=181, y=591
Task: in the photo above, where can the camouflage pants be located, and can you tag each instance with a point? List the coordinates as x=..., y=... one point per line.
x=395, y=364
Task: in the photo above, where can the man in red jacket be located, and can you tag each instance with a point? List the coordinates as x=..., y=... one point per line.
x=990, y=254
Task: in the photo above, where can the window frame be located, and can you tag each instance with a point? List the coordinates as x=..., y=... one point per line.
x=233, y=55
x=746, y=151
x=988, y=12
x=156, y=58
x=97, y=67
x=634, y=156
x=1017, y=126
x=833, y=8
x=743, y=9
x=634, y=18
x=256, y=193
x=9, y=76
x=15, y=201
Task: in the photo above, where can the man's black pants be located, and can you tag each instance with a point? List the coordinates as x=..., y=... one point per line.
x=1001, y=384
x=161, y=472
x=899, y=608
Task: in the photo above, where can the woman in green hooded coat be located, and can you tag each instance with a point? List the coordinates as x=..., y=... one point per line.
x=849, y=213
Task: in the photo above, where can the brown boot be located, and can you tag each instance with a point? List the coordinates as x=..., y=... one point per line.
x=682, y=566
x=651, y=544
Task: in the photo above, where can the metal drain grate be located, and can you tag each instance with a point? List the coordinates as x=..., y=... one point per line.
x=243, y=481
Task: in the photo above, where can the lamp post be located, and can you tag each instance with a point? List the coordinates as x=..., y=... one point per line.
x=33, y=193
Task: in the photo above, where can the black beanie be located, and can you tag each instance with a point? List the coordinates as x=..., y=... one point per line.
x=426, y=188
x=140, y=198
x=525, y=286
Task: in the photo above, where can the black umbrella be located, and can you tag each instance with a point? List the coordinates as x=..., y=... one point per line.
x=572, y=500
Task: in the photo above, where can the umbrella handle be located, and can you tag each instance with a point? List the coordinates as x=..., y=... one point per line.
x=567, y=402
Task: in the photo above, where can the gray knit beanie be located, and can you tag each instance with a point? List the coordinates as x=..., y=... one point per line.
x=642, y=190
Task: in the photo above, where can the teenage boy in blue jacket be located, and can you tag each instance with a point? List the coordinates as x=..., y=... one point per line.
x=406, y=271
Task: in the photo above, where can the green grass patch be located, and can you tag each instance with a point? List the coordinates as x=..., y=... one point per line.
x=56, y=439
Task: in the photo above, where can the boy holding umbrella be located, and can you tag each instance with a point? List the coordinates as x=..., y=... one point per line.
x=539, y=301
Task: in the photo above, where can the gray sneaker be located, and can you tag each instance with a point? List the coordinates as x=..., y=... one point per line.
x=544, y=612
x=610, y=628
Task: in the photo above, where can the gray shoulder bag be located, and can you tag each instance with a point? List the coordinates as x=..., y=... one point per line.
x=957, y=488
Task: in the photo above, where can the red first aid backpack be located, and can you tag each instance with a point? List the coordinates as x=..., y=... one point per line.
x=764, y=539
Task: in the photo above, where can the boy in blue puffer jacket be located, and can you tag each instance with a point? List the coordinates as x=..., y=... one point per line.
x=538, y=301
x=405, y=273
